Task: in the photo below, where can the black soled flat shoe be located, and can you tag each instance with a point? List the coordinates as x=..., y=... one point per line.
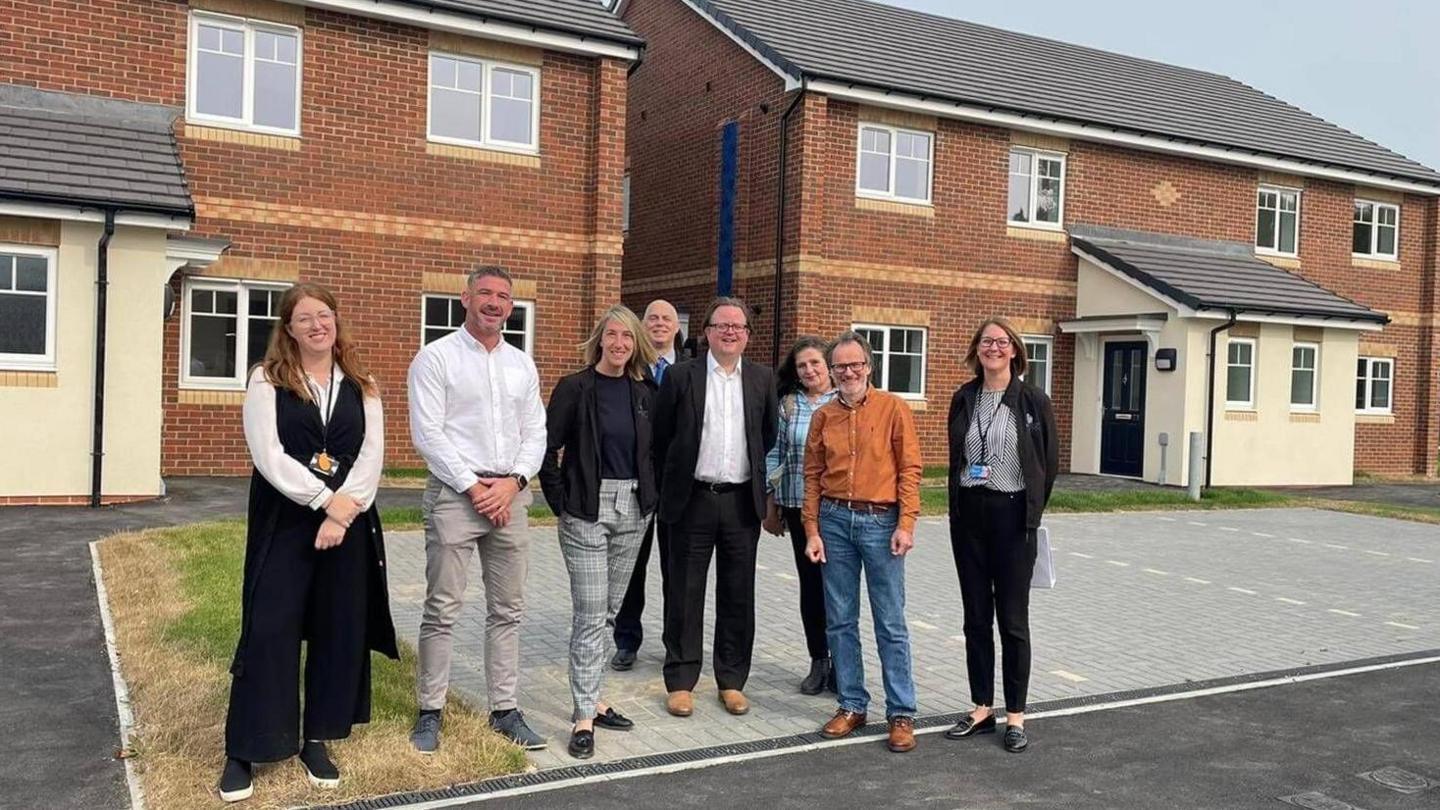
x=1015, y=739
x=614, y=720
x=582, y=744
x=968, y=727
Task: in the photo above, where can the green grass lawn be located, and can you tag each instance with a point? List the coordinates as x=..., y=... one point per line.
x=934, y=500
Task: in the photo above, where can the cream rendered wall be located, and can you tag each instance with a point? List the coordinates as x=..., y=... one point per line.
x=1272, y=445
x=46, y=433
x=1099, y=292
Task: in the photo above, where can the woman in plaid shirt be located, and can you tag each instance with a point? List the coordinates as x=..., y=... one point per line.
x=804, y=384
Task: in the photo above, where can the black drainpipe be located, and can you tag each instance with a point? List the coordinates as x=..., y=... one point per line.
x=102, y=283
x=1210, y=397
x=780, y=224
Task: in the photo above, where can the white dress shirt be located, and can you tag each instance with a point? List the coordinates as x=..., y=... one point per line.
x=291, y=477
x=723, y=459
x=475, y=410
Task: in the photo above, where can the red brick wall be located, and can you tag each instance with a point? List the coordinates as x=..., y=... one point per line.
x=362, y=153
x=674, y=163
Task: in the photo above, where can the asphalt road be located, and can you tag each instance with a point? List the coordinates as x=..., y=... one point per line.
x=1239, y=750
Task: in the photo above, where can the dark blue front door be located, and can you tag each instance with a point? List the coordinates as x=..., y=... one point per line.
x=1122, y=424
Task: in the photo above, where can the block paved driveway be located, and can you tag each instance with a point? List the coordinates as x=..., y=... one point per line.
x=1144, y=600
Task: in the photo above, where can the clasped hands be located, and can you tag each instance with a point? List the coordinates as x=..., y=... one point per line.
x=491, y=498
x=340, y=512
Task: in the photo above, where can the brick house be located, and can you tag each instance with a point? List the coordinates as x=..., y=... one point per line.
x=1182, y=252
x=379, y=147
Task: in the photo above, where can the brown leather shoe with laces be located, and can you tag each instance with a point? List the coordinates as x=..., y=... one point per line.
x=843, y=724
x=902, y=734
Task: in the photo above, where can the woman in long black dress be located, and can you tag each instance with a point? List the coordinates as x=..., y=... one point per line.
x=314, y=551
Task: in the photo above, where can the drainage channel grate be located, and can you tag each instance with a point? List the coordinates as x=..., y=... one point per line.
x=1399, y=780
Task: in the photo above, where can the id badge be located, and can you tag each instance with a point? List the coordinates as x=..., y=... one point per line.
x=980, y=472
x=322, y=464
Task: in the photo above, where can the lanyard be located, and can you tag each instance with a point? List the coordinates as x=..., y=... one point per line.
x=984, y=429
x=328, y=412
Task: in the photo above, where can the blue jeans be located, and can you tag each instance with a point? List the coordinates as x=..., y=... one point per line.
x=855, y=540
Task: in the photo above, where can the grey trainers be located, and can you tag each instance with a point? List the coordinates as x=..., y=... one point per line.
x=426, y=734
x=511, y=724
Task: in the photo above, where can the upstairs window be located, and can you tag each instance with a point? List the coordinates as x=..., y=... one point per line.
x=1376, y=230
x=244, y=73
x=1036, y=188
x=893, y=164
x=1277, y=221
x=474, y=102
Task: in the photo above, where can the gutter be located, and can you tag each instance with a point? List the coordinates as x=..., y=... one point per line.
x=102, y=284
x=780, y=224
x=1210, y=395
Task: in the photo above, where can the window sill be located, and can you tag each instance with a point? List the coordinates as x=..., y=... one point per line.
x=914, y=209
x=197, y=396
x=242, y=136
x=915, y=404
x=1279, y=260
x=1374, y=418
x=484, y=154
x=29, y=379
x=1241, y=415
x=1305, y=416
x=1037, y=233
x=1373, y=263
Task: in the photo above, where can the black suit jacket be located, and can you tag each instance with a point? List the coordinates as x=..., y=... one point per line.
x=572, y=423
x=680, y=416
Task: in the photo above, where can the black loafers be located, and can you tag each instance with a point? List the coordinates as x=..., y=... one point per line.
x=1015, y=739
x=968, y=727
x=622, y=660
x=614, y=720
x=582, y=744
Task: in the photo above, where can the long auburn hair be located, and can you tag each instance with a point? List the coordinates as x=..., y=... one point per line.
x=641, y=359
x=787, y=377
x=282, y=357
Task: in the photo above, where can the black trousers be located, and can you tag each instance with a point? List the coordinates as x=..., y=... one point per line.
x=723, y=525
x=995, y=557
x=319, y=596
x=812, y=588
x=629, y=632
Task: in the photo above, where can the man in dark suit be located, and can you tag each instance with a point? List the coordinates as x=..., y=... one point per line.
x=715, y=420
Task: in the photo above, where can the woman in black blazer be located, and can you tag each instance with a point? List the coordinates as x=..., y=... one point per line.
x=603, y=490
x=1003, y=459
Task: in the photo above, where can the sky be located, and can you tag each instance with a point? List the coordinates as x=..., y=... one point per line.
x=1373, y=67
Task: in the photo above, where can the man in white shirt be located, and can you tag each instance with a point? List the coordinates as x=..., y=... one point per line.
x=715, y=420
x=477, y=419
x=662, y=323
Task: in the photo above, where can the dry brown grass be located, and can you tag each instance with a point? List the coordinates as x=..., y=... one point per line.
x=174, y=596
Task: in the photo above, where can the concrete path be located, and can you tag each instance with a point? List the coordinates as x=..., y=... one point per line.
x=1144, y=600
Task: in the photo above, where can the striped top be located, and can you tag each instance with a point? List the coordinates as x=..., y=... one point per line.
x=1000, y=448
x=785, y=463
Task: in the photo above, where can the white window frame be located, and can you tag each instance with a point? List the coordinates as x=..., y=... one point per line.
x=1048, y=342
x=1279, y=191
x=1370, y=365
x=521, y=304
x=485, y=142
x=1236, y=404
x=1375, y=253
x=1036, y=155
x=242, y=329
x=1314, y=378
x=894, y=139
x=249, y=27
x=924, y=356
x=37, y=362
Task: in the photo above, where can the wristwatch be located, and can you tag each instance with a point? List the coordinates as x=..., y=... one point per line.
x=520, y=480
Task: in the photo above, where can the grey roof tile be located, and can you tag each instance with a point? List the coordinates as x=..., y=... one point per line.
x=583, y=17
x=887, y=48
x=1209, y=274
x=63, y=147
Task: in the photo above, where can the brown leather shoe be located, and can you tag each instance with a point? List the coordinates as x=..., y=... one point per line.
x=843, y=724
x=680, y=703
x=902, y=734
x=735, y=701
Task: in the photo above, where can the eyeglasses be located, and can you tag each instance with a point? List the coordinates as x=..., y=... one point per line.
x=849, y=368
x=307, y=321
x=999, y=343
x=729, y=327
